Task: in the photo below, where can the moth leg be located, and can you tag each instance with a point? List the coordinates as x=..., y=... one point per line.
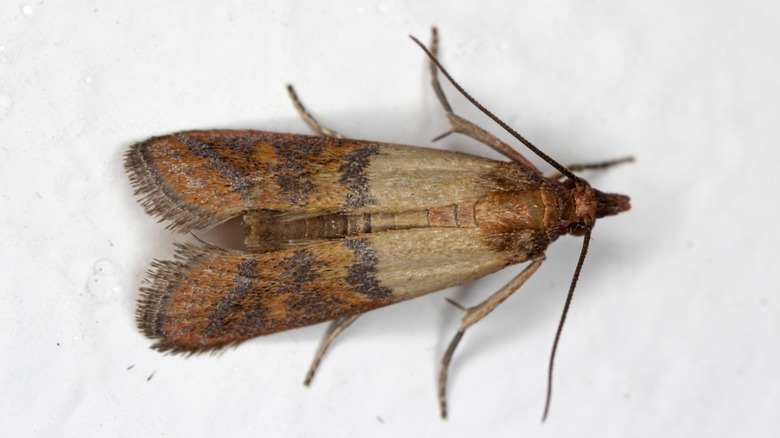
x=308, y=117
x=334, y=330
x=474, y=314
x=593, y=166
x=463, y=126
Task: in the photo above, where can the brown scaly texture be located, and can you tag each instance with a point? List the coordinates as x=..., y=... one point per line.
x=198, y=179
x=209, y=297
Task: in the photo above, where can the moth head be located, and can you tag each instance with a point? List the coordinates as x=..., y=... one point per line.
x=592, y=204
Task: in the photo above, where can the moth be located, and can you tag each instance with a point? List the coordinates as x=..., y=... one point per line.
x=336, y=227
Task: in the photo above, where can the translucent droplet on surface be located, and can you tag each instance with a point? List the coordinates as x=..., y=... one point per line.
x=103, y=284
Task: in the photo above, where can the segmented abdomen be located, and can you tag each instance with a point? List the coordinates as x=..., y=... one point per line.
x=269, y=231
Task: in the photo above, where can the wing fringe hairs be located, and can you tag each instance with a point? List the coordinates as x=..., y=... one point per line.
x=158, y=197
x=166, y=277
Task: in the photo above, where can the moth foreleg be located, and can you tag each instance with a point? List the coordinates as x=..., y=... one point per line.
x=461, y=125
x=593, y=166
x=308, y=117
x=334, y=330
x=472, y=316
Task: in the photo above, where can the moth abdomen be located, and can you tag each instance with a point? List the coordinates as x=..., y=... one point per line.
x=269, y=231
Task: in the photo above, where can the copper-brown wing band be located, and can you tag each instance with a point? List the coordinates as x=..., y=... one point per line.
x=210, y=297
x=199, y=179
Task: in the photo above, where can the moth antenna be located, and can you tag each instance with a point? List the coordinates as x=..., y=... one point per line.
x=559, y=167
x=583, y=252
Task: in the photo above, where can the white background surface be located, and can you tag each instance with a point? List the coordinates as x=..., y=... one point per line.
x=674, y=330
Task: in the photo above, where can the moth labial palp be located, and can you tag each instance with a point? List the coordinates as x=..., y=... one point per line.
x=332, y=231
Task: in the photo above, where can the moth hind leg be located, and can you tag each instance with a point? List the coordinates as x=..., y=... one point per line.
x=308, y=117
x=462, y=126
x=334, y=330
x=474, y=315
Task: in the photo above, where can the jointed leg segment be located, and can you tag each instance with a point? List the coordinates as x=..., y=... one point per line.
x=308, y=117
x=334, y=330
x=593, y=166
x=463, y=126
x=472, y=316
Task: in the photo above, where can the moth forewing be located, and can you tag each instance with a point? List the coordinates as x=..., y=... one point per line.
x=199, y=179
x=213, y=297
